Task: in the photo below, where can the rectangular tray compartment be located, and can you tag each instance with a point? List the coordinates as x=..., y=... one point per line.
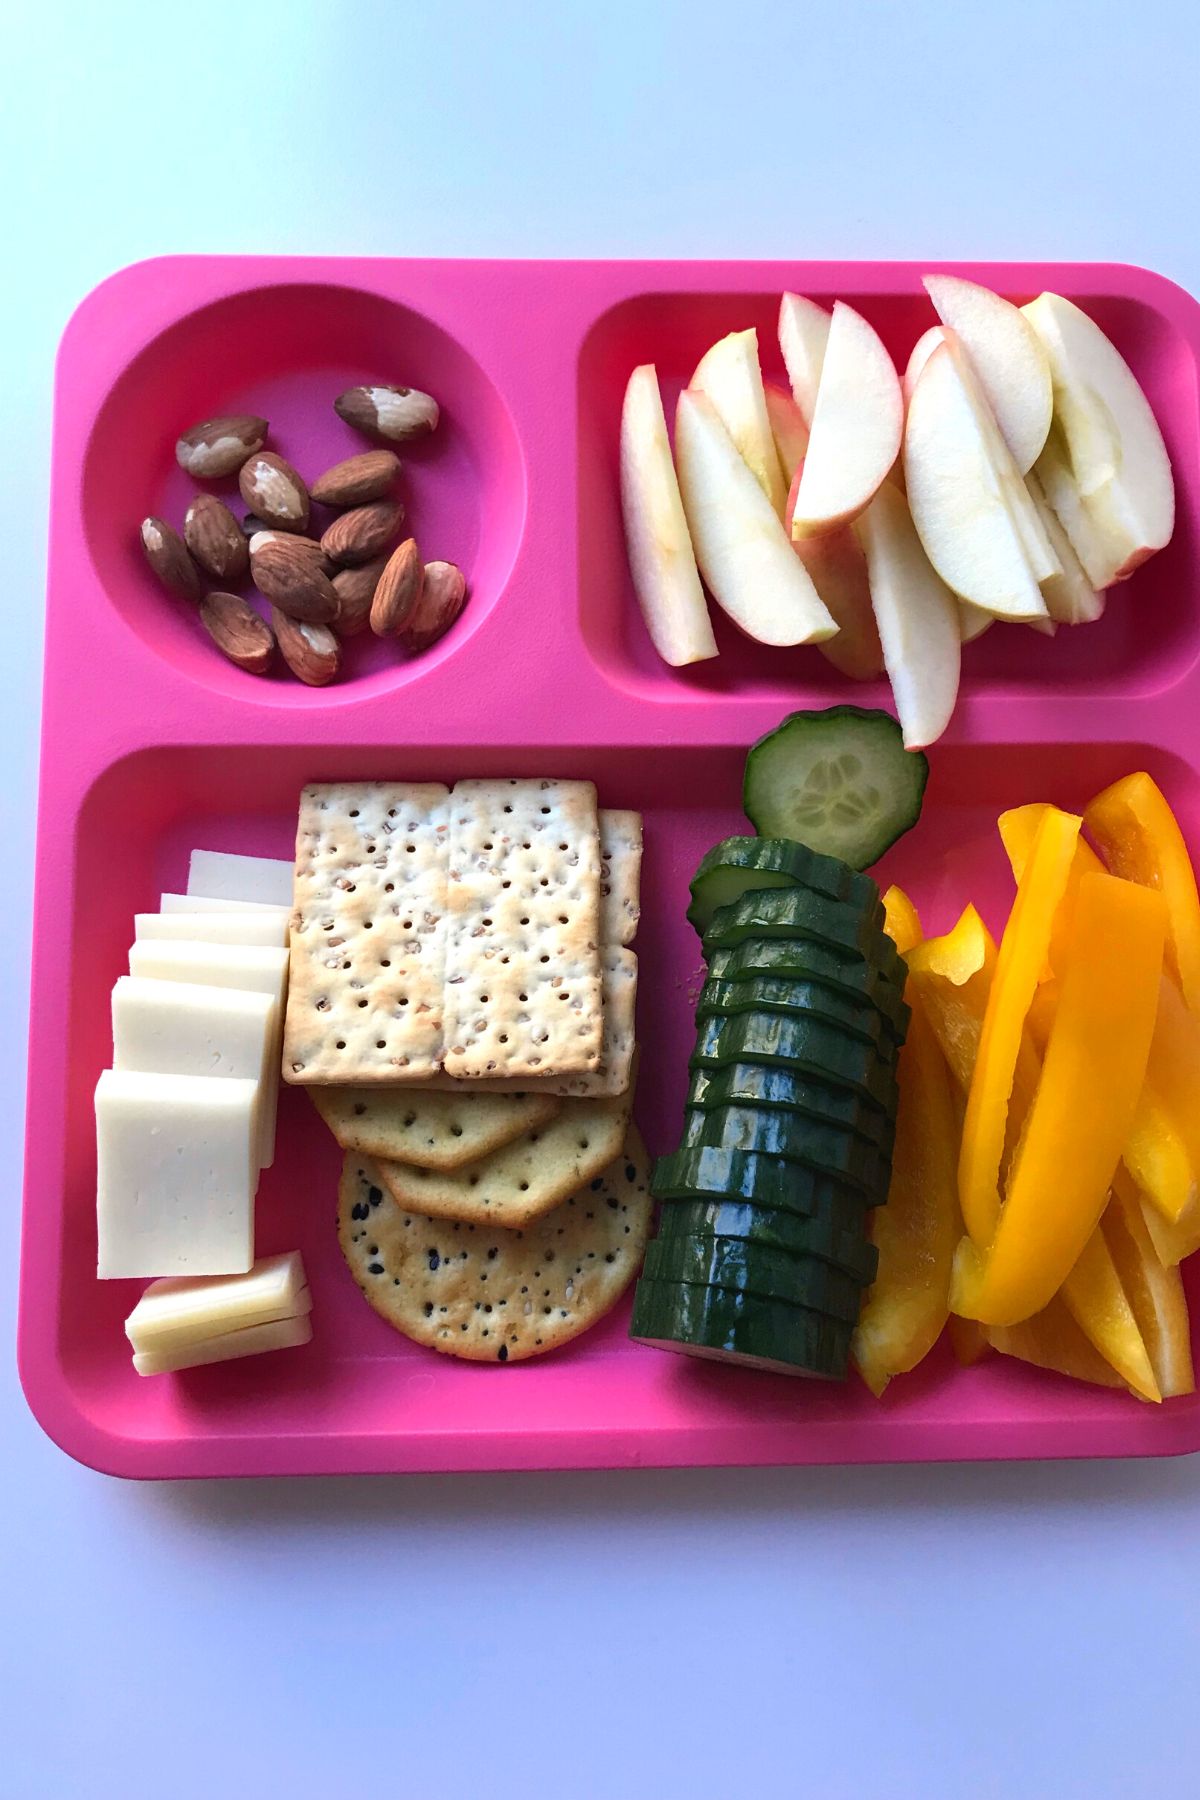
x=144, y=758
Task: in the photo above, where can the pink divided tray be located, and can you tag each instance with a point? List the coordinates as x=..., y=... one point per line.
x=152, y=744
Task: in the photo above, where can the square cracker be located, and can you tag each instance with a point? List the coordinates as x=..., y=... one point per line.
x=621, y=875
x=431, y=1131
x=523, y=991
x=368, y=933
x=527, y=1177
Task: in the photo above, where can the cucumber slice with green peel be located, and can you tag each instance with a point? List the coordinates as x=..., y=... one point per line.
x=726, y=1325
x=798, y=912
x=839, y=780
x=743, y=865
x=805, y=1044
x=711, y=1172
x=764, y=1084
x=801, y=959
x=872, y=1126
x=836, y=1236
x=775, y=1274
x=800, y=999
x=829, y=1149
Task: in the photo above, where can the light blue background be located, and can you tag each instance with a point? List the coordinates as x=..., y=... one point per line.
x=993, y=1632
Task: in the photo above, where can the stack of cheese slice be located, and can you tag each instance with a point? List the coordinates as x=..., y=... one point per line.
x=186, y=1116
x=183, y=1324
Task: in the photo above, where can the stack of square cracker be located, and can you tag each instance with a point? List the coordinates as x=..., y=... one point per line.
x=462, y=992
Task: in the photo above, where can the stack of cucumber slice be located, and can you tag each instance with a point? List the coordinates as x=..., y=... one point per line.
x=763, y=1252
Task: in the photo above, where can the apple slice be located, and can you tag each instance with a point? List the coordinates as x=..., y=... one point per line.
x=787, y=428
x=854, y=437
x=656, y=532
x=1105, y=444
x=917, y=616
x=838, y=568
x=803, y=334
x=730, y=375
x=1070, y=597
x=742, y=548
x=973, y=621
x=921, y=352
x=957, y=496
x=1008, y=359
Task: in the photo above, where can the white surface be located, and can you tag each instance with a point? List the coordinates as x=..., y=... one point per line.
x=1006, y=1633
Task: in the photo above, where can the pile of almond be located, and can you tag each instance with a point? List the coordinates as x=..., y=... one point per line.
x=318, y=590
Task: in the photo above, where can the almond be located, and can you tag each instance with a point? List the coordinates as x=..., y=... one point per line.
x=355, y=589
x=310, y=651
x=291, y=576
x=272, y=489
x=168, y=556
x=220, y=446
x=238, y=632
x=388, y=413
x=357, y=480
x=398, y=591
x=359, y=535
x=442, y=598
x=215, y=539
x=308, y=546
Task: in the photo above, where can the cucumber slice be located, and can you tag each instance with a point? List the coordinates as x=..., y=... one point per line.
x=766, y=1084
x=837, y=1236
x=801, y=1043
x=872, y=1128
x=801, y=999
x=829, y=1149
x=800, y=959
x=758, y=1269
x=712, y=1172
x=727, y=1326
x=839, y=781
x=798, y=912
x=744, y=864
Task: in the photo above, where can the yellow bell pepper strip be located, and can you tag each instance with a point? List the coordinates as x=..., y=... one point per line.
x=1093, y=1071
x=1155, y=1293
x=1163, y=1151
x=1053, y=1340
x=968, y=1341
x=951, y=976
x=901, y=920
x=1023, y=954
x=1172, y=1243
x=916, y=1232
x=1139, y=838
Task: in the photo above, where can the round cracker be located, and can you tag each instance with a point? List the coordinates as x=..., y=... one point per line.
x=487, y=1294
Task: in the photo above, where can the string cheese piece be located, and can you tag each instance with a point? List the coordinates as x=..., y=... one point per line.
x=268, y=927
x=220, y=875
x=283, y=1334
x=175, y=1314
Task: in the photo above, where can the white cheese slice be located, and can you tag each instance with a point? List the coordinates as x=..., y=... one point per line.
x=171, y=1314
x=220, y=875
x=283, y=1334
x=258, y=968
x=267, y=927
x=202, y=903
x=182, y=1028
x=176, y=1170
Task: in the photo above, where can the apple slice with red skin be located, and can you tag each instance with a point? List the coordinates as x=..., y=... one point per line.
x=838, y=568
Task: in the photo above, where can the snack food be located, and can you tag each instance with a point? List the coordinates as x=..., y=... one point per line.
x=428, y=1130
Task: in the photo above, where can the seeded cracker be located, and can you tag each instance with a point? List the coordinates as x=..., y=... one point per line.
x=523, y=992
x=518, y=1183
x=491, y=1295
x=368, y=933
x=431, y=1131
x=621, y=875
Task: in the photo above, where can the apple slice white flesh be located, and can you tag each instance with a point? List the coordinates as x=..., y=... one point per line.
x=1070, y=597
x=854, y=436
x=1109, y=446
x=920, y=354
x=957, y=497
x=838, y=568
x=1008, y=359
x=656, y=532
x=787, y=428
x=742, y=548
x=730, y=375
x=803, y=335
x=973, y=621
x=917, y=617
